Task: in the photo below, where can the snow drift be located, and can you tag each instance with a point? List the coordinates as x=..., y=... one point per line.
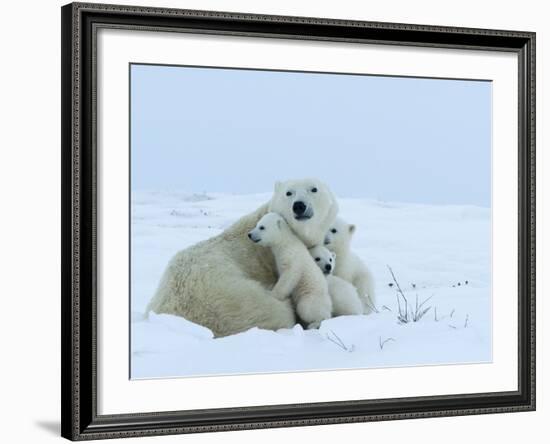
x=440, y=255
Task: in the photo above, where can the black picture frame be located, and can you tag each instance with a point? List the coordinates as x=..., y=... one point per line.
x=79, y=418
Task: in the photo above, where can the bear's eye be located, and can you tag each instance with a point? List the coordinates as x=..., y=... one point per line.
x=317, y=259
x=262, y=227
x=289, y=193
x=314, y=190
x=330, y=260
x=334, y=230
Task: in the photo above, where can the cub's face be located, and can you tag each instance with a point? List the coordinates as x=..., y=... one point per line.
x=307, y=205
x=268, y=230
x=325, y=259
x=339, y=235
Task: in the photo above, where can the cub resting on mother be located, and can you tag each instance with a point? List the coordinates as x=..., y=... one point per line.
x=224, y=283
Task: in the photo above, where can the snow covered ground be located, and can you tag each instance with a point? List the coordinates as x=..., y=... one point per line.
x=436, y=252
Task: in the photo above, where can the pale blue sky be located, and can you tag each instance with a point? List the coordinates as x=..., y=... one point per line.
x=238, y=131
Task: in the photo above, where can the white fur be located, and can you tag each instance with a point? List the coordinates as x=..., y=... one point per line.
x=322, y=204
x=349, y=266
x=224, y=282
x=299, y=277
x=345, y=300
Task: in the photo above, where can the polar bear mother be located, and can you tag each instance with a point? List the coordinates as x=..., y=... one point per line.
x=224, y=283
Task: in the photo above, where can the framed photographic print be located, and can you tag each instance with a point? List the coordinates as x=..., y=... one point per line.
x=275, y=221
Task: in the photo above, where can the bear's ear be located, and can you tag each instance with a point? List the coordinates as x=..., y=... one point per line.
x=351, y=229
x=278, y=186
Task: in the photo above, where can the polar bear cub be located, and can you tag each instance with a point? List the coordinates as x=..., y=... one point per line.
x=349, y=266
x=299, y=277
x=345, y=300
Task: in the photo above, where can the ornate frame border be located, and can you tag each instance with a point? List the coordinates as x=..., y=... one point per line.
x=79, y=418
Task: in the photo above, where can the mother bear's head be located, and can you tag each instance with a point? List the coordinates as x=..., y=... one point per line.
x=308, y=206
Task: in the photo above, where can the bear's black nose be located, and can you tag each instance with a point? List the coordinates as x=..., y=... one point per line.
x=249, y=235
x=299, y=208
x=328, y=267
